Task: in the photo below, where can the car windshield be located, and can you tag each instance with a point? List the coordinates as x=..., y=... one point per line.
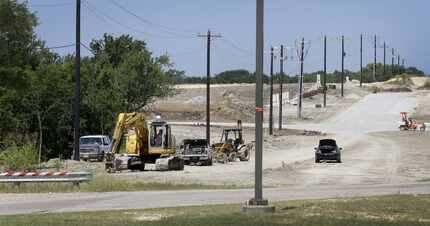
x=91, y=140
x=327, y=142
x=196, y=143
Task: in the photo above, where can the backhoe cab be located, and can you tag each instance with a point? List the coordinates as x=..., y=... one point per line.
x=134, y=144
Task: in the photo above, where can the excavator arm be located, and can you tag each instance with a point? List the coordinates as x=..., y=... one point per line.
x=125, y=123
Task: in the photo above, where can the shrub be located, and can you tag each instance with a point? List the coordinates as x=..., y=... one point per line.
x=19, y=157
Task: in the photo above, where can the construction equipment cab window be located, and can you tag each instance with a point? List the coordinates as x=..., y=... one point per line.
x=160, y=133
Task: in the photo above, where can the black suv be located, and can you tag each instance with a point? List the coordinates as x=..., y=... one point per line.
x=327, y=150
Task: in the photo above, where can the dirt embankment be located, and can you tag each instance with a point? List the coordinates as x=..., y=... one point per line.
x=229, y=102
x=422, y=111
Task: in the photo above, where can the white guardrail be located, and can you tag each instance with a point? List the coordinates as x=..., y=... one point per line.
x=39, y=177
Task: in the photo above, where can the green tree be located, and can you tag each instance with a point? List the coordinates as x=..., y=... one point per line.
x=134, y=73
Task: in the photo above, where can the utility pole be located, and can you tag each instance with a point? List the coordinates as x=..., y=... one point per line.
x=398, y=63
x=374, y=61
x=271, y=93
x=392, y=61
x=77, y=100
x=258, y=204
x=302, y=52
x=361, y=60
x=281, y=81
x=325, y=72
x=343, y=63
x=385, y=48
x=209, y=37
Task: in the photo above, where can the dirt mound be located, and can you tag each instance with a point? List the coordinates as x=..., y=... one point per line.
x=232, y=106
x=312, y=93
x=393, y=89
x=297, y=132
x=170, y=114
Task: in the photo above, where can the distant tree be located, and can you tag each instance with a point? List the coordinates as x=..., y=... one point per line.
x=235, y=76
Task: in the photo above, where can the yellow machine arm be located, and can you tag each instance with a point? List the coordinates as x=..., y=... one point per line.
x=135, y=126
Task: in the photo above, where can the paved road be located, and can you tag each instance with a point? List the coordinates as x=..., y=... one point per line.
x=374, y=113
x=70, y=202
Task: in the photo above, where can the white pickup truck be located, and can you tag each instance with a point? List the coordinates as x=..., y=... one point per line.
x=94, y=147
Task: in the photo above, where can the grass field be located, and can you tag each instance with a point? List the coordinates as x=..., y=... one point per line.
x=381, y=211
x=107, y=184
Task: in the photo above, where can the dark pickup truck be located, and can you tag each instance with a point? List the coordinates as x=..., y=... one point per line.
x=327, y=150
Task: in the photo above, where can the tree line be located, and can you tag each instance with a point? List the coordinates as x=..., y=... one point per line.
x=36, y=88
x=245, y=76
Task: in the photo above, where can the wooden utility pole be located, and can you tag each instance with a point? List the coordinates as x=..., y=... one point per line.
x=325, y=72
x=281, y=81
x=271, y=93
x=374, y=61
x=77, y=99
x=343, y=63
x=302, y=58
x=209, y=37
x=361, y=60
x=392, y=61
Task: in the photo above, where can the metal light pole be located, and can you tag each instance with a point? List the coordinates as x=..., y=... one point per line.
x=258, y=204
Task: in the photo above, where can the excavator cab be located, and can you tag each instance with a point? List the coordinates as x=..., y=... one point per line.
x=161, y=135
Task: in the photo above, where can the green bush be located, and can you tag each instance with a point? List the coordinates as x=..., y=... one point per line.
x=19, y=158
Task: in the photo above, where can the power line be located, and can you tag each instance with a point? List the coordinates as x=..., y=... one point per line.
x=61, y=47
x=52, y=5
x=87, y=48
x=232, y=44
x=161, y=27
x=100, y=14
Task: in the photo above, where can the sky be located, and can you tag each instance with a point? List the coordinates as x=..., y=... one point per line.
x=172, y=26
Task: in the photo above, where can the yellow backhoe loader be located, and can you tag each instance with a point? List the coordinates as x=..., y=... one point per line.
x=135, y=143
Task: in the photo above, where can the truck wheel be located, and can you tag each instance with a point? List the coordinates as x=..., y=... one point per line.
x=339, y=160
x=102, y=158
x=209, y=162
x=317, y=160
x=142, y=166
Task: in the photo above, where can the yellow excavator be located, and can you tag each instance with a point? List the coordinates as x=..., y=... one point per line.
x=135, y=143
